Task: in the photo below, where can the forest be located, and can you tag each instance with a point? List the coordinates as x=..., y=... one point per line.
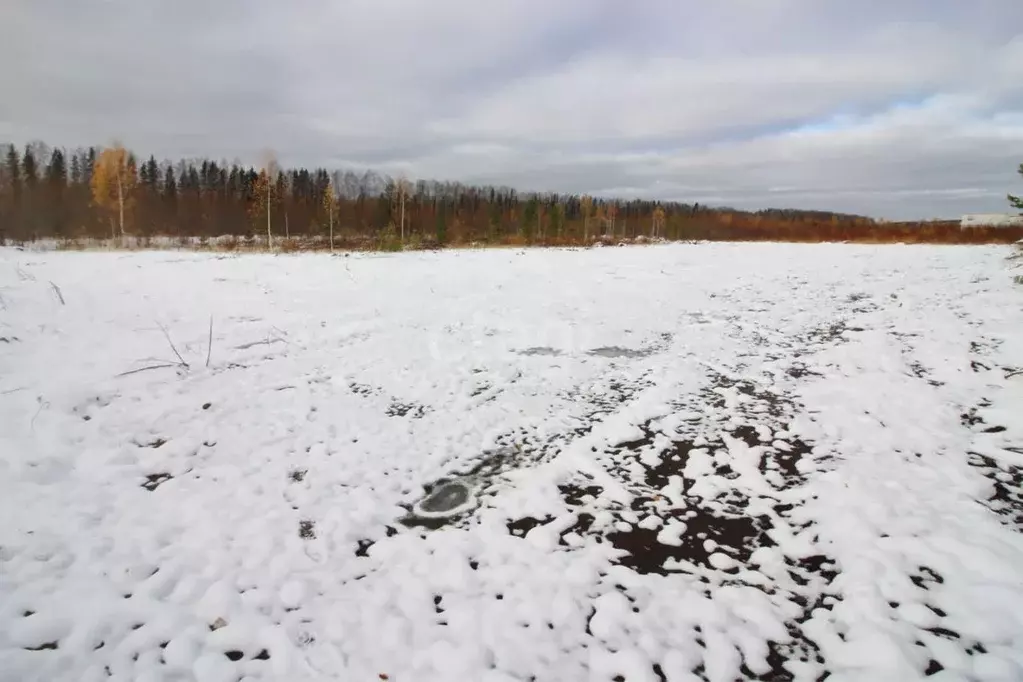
x=98, y=193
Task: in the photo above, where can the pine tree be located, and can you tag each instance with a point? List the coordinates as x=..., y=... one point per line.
x=29, y=167
x=149, y=196
x=30, y=193
x=56, y=181
x=1017, y=202
x=12, y=194
x=76, y=170
x=170, y=196
x=90, y=165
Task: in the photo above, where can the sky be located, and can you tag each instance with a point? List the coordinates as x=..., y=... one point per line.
x=897, y=109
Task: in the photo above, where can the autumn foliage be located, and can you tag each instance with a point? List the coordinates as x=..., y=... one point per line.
x=90, y=193
x=113, y=181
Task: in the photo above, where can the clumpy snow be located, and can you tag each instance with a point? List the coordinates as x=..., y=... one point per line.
x=683, y=462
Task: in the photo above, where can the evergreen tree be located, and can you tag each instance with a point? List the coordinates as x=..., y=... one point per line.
x=56, y=172
x=30, y=194
x=29, y=167
x=1017, y=202
x=90, y=166
x=12, y=195
x=76, y=170
x=56, y=185
x=170, y=199
x=149, y=197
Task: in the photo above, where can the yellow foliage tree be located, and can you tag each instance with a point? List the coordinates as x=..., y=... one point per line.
x=657, y=222
x=113, y=182
x=262, y=201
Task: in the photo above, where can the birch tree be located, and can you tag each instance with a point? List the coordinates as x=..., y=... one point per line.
x=113, y=183
x=269, y=174
x=657, y=222
x=402, y=188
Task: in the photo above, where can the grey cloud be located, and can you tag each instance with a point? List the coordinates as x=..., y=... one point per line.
x=903, y=108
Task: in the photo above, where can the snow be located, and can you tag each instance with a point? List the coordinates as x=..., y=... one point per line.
x=687, y=462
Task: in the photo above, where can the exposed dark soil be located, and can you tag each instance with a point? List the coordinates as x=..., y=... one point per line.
x=410, y=410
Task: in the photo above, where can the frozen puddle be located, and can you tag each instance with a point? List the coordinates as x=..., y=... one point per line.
x=451, y=498
x=445, y=501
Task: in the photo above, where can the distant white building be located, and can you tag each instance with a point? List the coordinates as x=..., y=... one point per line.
x=991, y=220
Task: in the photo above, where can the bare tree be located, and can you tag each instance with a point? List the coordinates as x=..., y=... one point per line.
x=329, y=203
x=587, y=209
x=402, y=187
x=271, y=168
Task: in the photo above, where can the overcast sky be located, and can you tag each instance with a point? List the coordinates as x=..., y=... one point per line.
x=892, y=108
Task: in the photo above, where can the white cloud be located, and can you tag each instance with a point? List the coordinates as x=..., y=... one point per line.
x=902, y=108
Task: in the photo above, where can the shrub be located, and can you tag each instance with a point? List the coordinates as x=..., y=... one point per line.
x=388, y=240
x=415, y=242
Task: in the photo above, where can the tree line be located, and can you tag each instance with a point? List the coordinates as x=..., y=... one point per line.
x=112, y=193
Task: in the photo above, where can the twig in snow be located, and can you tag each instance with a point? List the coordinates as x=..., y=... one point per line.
x=42, y=404
x=173, y=347
x=267, y=341
x=13, y=390
x=146, y=369
x=209, y=345
x=57, y=290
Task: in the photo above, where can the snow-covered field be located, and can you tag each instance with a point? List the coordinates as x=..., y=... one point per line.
x=684, y=462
